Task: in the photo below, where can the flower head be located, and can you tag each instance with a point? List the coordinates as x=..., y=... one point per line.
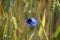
x=31, y=21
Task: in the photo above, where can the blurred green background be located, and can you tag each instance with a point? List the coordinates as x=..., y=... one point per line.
x=13, y=14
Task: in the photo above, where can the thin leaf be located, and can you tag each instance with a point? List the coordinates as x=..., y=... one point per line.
x=57, y=32
x=43, y=24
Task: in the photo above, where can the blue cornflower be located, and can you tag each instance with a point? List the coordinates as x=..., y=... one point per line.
x=31, y=21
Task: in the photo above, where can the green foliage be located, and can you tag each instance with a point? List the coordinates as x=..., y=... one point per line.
x=57, y=31
x=6, y=5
